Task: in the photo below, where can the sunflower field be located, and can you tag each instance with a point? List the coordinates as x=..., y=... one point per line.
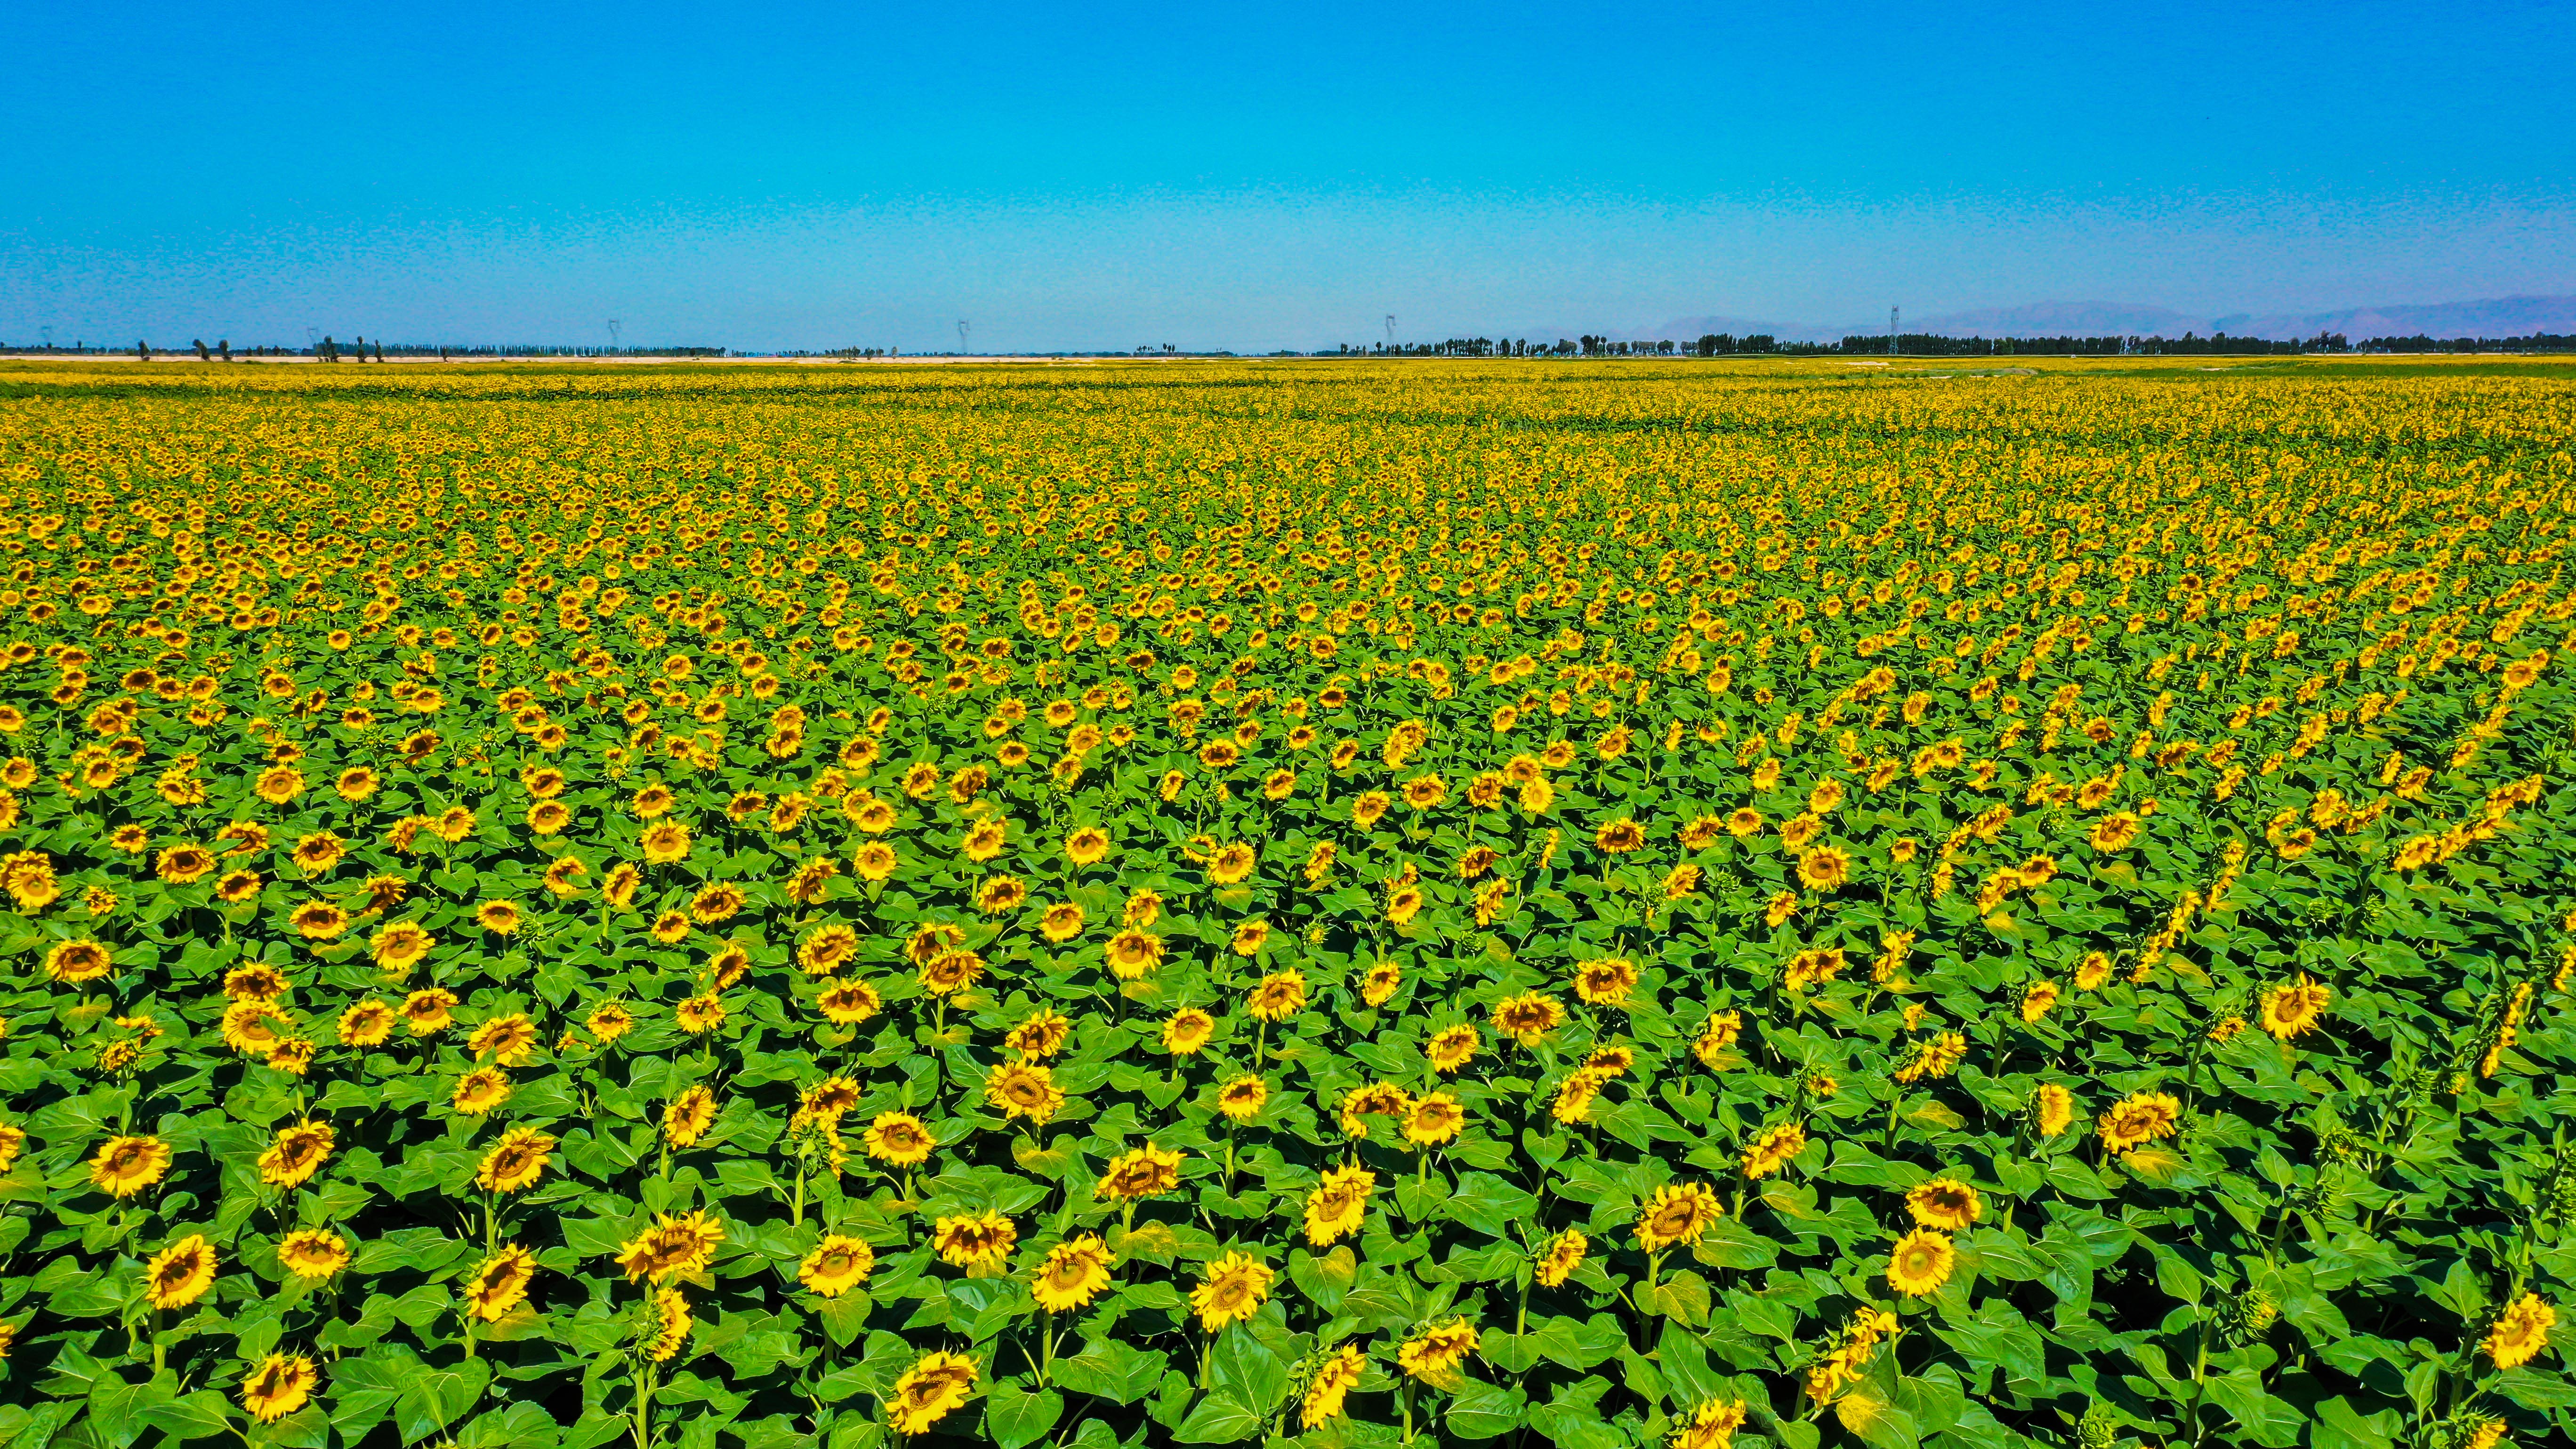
x=736, y=906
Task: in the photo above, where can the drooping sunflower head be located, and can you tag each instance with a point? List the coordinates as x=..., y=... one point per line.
x=1945, y=1203
x=313, y=1253
x=181, y=1273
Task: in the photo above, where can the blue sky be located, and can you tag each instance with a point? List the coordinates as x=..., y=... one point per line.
x=1254, y=176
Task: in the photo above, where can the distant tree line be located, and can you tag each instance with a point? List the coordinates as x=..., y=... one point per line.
x=2537, y=342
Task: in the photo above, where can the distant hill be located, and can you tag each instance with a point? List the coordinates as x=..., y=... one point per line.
x=2495, y=317
x=1691, y=329
x=2058, y=319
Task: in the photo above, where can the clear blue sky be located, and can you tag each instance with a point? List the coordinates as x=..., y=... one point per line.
x=1253, y=176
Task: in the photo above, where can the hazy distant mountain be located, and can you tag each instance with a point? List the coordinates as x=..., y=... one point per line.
x=2495, y=317
x=2058, y=319
x=1691, y=329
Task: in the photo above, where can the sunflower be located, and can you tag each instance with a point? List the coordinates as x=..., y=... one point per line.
x=1772, y=1150
x=670, y=1325
x=2291, y=1010
x=1242, y=1098
x=2052, y=1109
x=1434, y=1119
x=399, y=947
x=1378, y=984
x=1230, y=864
x=1041, y=1035
x=983, y=841
x=480, y=1092
x=929, y=1391
x=1331, y=1385
x=1187, y=1031
x=686, y=1118
x=184, y=864
x=2038, y=1000
x=1620, y=836
x=699, y=1014
x=1134, y=952
x=1563, y=1254
x=1335, y=1209
x=1605, y=982
x=719, y=902
x=1675, y=1215
x=673, y=1247
x=125, y=1166
x=837, y=1265
x=252, y=1028
x=1088, y=845
x=500, y=1283
x=665, y=842
x=1712, y=1425
x=1278, y=997
x=1148, y=1171
x=899, y=1138
x=516, y=1162
x=1061, y=922
x=1945, y=1203
x=2521, y=1332
x=1824, y=868
x=73, y=962
x=1452, y=1047
x=426, y=1012
x=2117, y=832
x=1920, y=1262
x=1021, y=1089
x=618, y=887
x=313, y=1253
x=2093, y=971
x=847, y=1003
x=318, y=920
x=1235, y=1289
x=952, y=972
x=609, y=1022
x=279, y=1386
x=1075, y=1272
x=967, y=1242
x=1528, y=1017
x=1377, y=1099
x=180, y=1274
x=1434, y=1354
x=297, y=1154
x=2139, y=1118
x=509, y=1040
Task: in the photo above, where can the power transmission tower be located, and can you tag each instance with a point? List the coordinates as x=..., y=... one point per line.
x=1390, y=332
x=1891, y=332
x=962, y=326
x=613, y=325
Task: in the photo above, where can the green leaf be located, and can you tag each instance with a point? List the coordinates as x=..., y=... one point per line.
x=1325, y=1278
x=432, y=1398
x=1244, y=1366
x=1112, y=1370
x=1480, y=1410
x=200, y=1414
x=1014, y=1417
x=1488, y=1204
x=1219, y=1418
x=2257, y=1415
